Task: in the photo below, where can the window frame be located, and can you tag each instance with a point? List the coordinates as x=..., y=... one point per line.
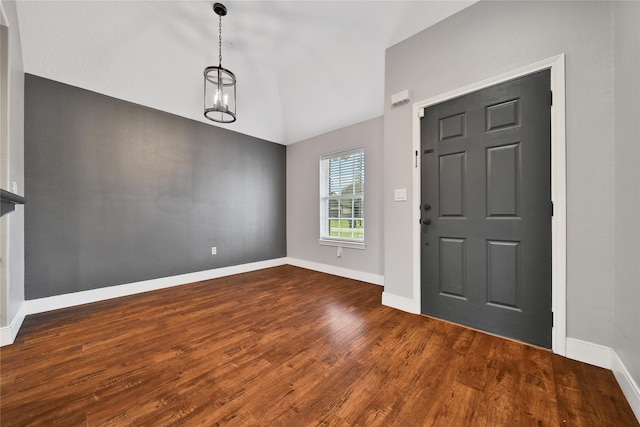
x=325, y=197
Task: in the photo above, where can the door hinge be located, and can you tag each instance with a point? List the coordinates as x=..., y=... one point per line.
x=552, y=324
x=551, y=208
x=550, y=97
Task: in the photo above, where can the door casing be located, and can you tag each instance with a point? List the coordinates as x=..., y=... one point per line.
x=556, y=65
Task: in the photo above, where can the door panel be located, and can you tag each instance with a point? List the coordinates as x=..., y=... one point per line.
x=452, y=185
x=503, y=186
x=452, y=267
x=486, y=190
x=503, y=278
x=452, y=127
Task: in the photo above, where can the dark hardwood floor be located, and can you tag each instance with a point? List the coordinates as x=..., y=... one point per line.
x=286, y=347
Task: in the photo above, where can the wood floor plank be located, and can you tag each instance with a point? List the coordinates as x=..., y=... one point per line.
x=599, y=404
x=456, y=405
x=286, y=346
x=539, y=399
x=504, y=378
x=475, y=371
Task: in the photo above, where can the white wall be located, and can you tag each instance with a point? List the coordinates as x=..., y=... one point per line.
x=486, y=40
x=626, y=107
x=303, y=211
x=13, y=294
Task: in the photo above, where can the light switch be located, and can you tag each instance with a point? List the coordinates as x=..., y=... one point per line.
x=400, y=194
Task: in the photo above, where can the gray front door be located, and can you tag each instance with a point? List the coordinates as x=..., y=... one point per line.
x=486, y=210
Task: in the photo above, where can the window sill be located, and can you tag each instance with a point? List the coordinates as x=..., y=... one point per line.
x=343, y=244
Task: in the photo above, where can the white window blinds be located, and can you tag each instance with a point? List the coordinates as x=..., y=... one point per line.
x=342, y=196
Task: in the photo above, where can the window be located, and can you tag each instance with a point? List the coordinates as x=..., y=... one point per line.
x=342, y=198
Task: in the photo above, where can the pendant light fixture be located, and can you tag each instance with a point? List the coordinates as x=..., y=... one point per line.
x=219, y=83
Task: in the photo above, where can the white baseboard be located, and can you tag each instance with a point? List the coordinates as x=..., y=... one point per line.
x=606, y=357
x=627, y=384
x=84, y=297
x=9, y=333
x=400, y=303
x=376, y=279
x=588, y=352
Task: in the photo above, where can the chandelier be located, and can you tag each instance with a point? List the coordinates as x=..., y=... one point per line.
x=219, y=83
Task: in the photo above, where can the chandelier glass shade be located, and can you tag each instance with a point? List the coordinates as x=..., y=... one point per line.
x=219, y=83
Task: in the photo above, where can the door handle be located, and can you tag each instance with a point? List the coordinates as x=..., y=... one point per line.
x=425, y=221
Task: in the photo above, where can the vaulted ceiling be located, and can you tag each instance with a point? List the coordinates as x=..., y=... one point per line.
x=303, y=67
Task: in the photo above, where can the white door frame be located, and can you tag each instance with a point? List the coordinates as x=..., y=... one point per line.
x=556, y=65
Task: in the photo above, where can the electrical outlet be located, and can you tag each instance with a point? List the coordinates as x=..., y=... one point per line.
x=214, y=250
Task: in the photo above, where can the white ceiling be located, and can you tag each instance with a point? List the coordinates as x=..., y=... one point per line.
x=303, y=67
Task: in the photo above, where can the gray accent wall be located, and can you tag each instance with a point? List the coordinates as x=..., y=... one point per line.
x=118, y=193
x=303, y=203
x=488, y=39
x=626, y=108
